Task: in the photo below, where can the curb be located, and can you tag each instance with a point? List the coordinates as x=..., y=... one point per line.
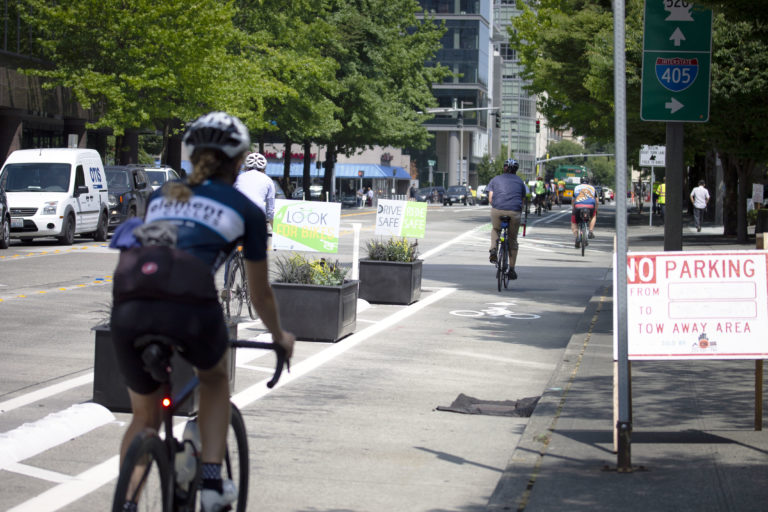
x=519, y=477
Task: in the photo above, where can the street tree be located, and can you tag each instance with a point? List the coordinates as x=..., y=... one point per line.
x=566, y=50
x=140, y=64
x=381, y=50
x=286, y=40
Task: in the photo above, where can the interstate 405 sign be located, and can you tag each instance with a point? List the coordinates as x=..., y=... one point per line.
x=677, y=46
x=697, y=305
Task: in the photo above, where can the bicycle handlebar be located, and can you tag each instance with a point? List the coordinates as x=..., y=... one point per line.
x=279, y=352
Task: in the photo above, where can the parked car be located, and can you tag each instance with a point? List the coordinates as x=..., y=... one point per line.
x=5, y=220
x=430, y=194
x=458, y=194
x=56, y=192
x=482, y=194
x=315, y=191
x=129, y=191
x=159, y=175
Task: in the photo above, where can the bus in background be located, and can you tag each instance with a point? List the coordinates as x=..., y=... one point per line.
x=571, y=175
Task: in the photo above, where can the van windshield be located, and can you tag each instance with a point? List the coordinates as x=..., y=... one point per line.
x=38, y=177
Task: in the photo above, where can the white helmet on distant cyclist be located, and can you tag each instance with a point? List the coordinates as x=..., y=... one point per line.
x=217, y=130
x=256, y=161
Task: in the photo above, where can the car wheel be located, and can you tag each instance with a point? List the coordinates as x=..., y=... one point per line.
x=5, y=233
x=100, y=235
x=68, y=231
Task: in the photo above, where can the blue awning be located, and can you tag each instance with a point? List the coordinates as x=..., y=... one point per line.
x=275, y=170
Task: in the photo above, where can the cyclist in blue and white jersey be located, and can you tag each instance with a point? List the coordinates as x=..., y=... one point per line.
x=584, y=196
x=506, y=195
x=202, y=221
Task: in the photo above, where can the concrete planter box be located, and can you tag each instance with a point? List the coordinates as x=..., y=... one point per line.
x=390, y=282
x=317, y=313
x=109, y=387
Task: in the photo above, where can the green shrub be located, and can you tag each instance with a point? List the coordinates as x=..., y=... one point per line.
x=752, y=217
x=297, y=269
x=392, y=250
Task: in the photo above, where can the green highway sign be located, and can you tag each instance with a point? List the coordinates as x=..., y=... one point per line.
x=677, y=45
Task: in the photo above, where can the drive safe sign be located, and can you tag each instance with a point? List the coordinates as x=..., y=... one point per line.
x=697, y=305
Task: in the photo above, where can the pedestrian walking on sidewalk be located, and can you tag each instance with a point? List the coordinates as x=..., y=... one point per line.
x=699, y=198
x=662, y=200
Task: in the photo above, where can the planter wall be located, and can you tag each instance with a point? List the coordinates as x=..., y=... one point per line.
x=109, y=387
x=317, y=313
x=390, y=282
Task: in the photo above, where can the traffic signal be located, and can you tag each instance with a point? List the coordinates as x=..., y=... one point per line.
x=538, y=126
x=498, y=119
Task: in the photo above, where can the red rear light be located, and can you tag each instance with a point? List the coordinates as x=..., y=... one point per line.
x=166, y=402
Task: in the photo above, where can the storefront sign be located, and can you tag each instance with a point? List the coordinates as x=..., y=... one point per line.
x=406, y=219
x=306, y=226
x=687, y=305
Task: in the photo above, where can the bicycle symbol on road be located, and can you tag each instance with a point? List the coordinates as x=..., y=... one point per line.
x=496, y=309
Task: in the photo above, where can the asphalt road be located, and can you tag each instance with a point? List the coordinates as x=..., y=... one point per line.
x=354, y=427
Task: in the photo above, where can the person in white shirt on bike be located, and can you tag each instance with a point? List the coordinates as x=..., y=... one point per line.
x=258, y=187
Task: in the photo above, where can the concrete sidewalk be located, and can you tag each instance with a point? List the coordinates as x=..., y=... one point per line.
x=694, y=447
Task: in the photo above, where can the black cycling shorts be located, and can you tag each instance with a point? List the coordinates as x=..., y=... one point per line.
x=199, y=330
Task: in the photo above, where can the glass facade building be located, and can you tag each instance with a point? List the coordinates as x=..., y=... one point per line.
x=518, y=122
x=462, y=136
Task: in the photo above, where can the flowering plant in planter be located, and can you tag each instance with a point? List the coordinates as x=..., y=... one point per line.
x=298, y=269
x=315, y=300
x=393, y=249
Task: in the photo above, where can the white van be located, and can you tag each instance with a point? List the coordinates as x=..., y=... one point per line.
x=56, y=192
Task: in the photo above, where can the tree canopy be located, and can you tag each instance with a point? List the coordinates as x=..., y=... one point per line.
x=566, y=49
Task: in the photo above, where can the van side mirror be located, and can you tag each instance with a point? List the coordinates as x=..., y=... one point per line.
x=81, y=189
x=141, y=186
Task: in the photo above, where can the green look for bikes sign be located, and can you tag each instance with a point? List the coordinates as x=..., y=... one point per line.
x=306, y=226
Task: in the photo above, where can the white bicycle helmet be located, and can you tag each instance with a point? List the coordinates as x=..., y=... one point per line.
x=217, y=130
x=256, y=161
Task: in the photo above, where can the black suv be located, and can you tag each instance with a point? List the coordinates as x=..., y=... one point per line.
x=129, y=192
x=458, y=194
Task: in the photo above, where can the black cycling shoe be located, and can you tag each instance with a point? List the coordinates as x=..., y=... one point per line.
x=492, y=257
x=591, y=235
x=512, y=274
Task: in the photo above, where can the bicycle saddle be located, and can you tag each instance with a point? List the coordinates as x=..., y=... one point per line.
x=156, y=352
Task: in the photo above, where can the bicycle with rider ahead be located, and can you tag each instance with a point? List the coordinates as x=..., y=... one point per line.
x=506, y=195
x=584, y=207
x=164, y=287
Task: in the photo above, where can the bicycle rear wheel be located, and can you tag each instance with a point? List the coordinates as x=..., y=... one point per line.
x=235, y=286
x=583, y=237
x=144, y=476
x=235, y=465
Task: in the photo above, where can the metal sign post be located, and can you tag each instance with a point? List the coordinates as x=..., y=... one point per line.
x=624, y=422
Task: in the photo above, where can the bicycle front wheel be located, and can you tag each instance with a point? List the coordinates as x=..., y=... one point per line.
x=235, y=286
x=501, y=264
x=236, y=458
x=144, y=476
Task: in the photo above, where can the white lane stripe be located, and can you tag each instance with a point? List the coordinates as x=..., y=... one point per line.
x=88, y=481
x=65, y=493
x=259, y=390
x=39, y=473
x=32, y=438
x=40, y=394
